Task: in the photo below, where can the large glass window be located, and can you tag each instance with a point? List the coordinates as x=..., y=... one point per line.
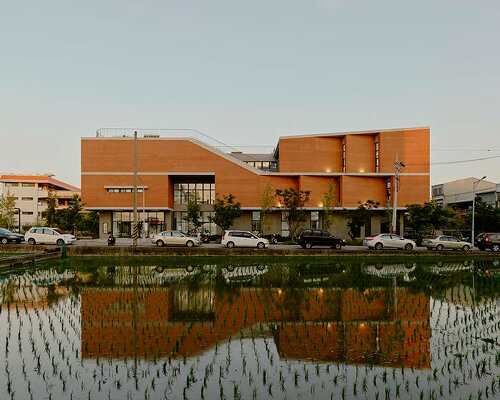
x=285, y=230
x=122, y=223
x=315, y=219
x=376, y=156
x=204, y=193
x=255, y=221
x=179, y=224
x=343, y=156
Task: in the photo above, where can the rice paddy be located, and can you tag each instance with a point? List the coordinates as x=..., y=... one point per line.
x=339, y=330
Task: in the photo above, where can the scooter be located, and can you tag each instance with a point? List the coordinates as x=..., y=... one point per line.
x=111, y=239
x=273, y=239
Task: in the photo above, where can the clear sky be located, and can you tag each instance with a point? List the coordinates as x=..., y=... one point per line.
x=248, y=72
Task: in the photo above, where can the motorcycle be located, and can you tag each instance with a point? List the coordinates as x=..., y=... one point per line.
x=273, y=239
x=111, y=239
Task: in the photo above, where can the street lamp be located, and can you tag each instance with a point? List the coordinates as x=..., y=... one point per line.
x=474, y=208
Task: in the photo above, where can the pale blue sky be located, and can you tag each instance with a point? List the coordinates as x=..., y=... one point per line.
x=248, y=72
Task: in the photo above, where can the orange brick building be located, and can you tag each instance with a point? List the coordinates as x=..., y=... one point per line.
x=360, y=165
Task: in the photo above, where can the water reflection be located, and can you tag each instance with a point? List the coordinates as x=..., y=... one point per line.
x=265, y=323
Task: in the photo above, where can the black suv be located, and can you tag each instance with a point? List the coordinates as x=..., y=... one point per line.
x=488, y=241
x=308, y=238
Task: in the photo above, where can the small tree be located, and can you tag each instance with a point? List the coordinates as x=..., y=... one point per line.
x=329, y=202
x=292, y=203
x=226, y=210
x=7, y=211
x=70, y=217
x=50, y=213
x=266, y=203
x=193, y=215
x=425, y=218
x=358, y=217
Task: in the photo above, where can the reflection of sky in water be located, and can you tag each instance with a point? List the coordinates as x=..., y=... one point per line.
x=194, y=337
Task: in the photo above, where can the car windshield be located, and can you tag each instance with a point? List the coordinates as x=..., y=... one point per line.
x=60, y=232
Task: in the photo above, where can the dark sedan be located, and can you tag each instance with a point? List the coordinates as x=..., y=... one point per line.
x=7, y=236
x=308, y=238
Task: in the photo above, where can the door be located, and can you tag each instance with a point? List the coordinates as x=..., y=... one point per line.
x=178, y=239
x=248, y=240
x=397, y=242
x=49, y=236
x=167, y=238
x=454, y=243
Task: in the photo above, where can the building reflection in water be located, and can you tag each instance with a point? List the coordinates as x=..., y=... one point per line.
x=380, y=326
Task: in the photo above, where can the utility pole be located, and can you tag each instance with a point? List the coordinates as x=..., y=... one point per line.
x=474, y=185
x=134, y=227
x=399, y=167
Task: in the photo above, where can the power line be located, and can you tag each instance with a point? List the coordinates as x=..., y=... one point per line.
x=463, y=161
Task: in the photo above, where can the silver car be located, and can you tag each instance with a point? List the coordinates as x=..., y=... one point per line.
x=442, y=242
x=175, y=238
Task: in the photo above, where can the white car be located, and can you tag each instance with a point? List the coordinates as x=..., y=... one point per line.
x=48, y=236
x=175, y=238
x=243, y=239
x=389, y=240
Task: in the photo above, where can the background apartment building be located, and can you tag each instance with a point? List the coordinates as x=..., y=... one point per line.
x=31, y=192
x=360, y=165
x=459, y=193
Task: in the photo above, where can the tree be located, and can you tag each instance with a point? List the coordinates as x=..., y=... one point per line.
x=292, y=202
x=7, y=211
x=70, y=217
x=359, y=217
x=456, y=220
x=50, y=213
x=487, y=217
x=193, y=215
x=226, y=210
x=266, y=203
x=329, y=202
x=425, y=218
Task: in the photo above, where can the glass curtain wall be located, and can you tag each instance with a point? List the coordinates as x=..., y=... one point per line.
x=122, y=223
x=179, y=224
x=203, y=192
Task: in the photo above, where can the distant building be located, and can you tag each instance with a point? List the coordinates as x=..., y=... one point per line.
x=31, y=192
x=459, y=192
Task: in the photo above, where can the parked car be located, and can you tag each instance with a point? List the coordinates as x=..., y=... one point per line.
x=442, y=242
x=488, y=241
x=243, y=239
x=175, y=238
x=388, y=240
x=7, y=236
x=308, y=238
x=44, y=235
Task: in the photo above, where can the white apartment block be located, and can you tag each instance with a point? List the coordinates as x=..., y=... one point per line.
x=31, y=193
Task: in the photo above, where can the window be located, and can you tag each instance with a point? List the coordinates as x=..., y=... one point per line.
x=376, y=156
x=273, y=165
x=28, y=184
x=10, y=184
x=179, y=224
x=255, y=221
x=27, y=198
x=343, y=156
x=203, y=193
x=123, y=190
x=388, y=188
x=122, y=223
x=315, y=219
x=27, y=212
x=285, y=229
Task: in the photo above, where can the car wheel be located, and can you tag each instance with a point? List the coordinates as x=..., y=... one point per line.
x=230, y=245
x=189, y=243
x=378, y=246
x=466, y=248
x=160, y=243
x=230, y=268
x=159, y=269
x=189, y=268
x=260, y=245
x=31, y=241
x=261, y=267
x=59, y=242
x=408, y=246
x=496, y=247
x=308, y=245
x=439, y=247
x=5, y=241
x=337, y=246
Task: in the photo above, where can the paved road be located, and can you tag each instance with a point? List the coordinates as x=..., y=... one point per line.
x=125, y=242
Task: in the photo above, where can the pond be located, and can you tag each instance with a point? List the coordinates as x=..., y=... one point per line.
x=340, y=329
